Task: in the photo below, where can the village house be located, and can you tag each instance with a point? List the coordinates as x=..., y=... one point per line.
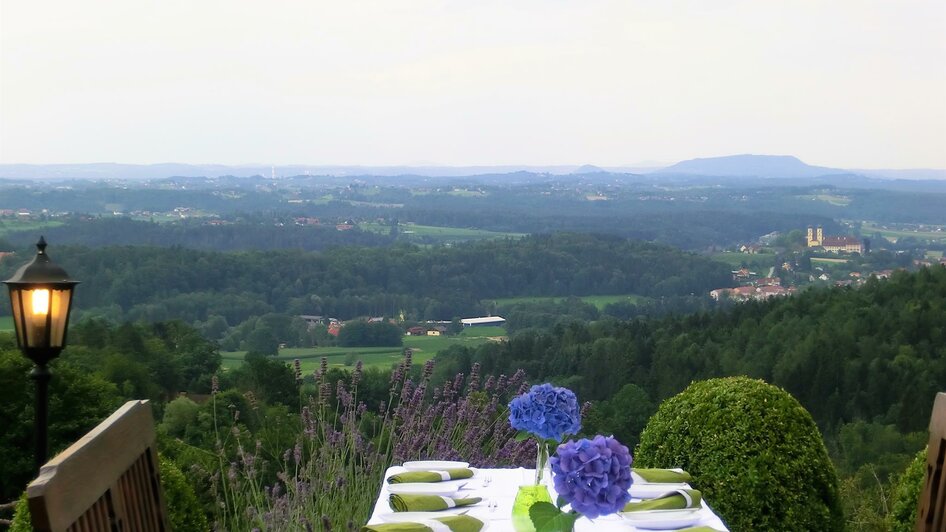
x=768, y=281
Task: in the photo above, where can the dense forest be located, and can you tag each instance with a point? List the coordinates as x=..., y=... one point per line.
x=865, y=362
x=441, y=282
x=243, y=232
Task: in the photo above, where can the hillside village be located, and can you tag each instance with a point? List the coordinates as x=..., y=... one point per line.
x=834, y=260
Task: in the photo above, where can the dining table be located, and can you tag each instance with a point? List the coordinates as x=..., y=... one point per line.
x=498, y=488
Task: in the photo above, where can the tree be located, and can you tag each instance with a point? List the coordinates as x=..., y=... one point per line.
x=271, y=380
x=178, y=415
x=363, y=334
x=215, y=327
x=261, y=340
x=77, y=402
x=624, y=415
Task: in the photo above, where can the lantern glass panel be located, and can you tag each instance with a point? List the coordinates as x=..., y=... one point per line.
x=59, y=311
x=19, y=323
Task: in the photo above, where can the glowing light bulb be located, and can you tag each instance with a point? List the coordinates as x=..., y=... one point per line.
x=40, y=302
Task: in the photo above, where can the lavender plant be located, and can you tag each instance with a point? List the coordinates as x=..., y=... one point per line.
x=330, y=477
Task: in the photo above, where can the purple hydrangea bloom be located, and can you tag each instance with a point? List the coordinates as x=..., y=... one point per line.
x=546, y=411
x=594, y=476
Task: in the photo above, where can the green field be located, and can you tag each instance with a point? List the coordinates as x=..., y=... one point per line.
x=467, y=193
x=425, y=348
x=753, y=261
x=598, y=301
x=829, y=261
x=868, y=228
x=409, y=231
x=12, y=225
x=833, y=199
x=6, y=323
x=482, y=332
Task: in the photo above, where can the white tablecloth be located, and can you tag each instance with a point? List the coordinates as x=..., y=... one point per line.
x=502, y=488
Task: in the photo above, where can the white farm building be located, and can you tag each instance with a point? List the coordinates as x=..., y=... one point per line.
x=489, y=321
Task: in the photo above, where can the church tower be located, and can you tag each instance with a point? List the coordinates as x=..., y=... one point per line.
x=815, y=239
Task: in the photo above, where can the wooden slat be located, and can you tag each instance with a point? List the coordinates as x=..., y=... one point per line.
x=931, y=511
x=106, y=481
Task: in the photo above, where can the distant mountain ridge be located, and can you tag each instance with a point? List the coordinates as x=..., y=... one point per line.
x=732, y=166
x=748, y=165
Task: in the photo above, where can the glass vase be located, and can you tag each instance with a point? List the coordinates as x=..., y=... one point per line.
x=543, y=470
x=527, y=496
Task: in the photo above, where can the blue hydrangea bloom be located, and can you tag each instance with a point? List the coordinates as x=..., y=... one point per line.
x=594, y=476
x=546, y=411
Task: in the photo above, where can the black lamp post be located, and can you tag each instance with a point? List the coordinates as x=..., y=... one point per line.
x=41, y=295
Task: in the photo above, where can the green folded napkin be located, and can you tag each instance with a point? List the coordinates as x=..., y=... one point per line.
x=456, y=523
x=427, y=503
x=663, y=475
x=673, y=500
x=430, y=476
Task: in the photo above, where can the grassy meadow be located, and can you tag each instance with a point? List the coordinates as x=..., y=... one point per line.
x=10, y=225
x=424, y=347
x=6, y=323
x=869, y=228
x=758, y=261
x=598, y=301
x=410, y=231
x=834, y=199
x=826, y=260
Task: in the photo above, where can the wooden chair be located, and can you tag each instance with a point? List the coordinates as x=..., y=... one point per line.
x=106, y=481
x=931, y=511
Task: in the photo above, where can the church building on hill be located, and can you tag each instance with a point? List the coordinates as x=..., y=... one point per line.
x=834, y=244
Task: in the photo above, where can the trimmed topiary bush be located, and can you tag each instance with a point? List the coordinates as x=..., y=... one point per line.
x=906, y=495
x=753, y=451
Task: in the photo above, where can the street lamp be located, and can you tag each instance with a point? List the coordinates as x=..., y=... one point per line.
x=41, y=295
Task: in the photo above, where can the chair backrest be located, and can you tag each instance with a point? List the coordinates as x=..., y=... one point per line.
x=106, y=481
x=931, y=510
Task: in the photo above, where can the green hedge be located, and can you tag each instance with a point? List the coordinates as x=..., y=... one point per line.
x=752, y=449
x=906, y=495
x=184, y=511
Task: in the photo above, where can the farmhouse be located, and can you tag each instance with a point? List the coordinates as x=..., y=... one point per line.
x=312, y=321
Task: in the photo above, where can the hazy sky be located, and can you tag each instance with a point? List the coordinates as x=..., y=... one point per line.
x=852, y=83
